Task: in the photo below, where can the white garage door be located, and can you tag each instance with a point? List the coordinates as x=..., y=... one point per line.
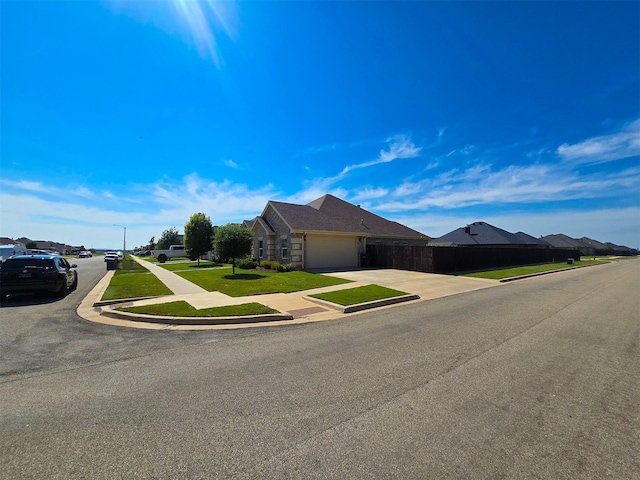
x=325, y=251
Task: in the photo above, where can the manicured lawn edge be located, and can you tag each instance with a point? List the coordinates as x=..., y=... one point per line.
x=529, y=275
x=511, y=273
x=381, y=302
x=112, y=312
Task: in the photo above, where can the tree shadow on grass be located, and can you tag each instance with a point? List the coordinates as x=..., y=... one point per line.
x=208, y=265
x=244, y=276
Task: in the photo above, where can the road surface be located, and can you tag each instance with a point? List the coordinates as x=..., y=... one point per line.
x=537, y=378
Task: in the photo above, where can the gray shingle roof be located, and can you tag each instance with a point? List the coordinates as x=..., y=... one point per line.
x=530, y=240
x=479, y=233
x=331, y=214
x=560, y=240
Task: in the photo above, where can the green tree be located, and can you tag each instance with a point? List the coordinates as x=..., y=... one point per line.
x=169, y=237
x=232, y=241
x=31, y=245
x=197, y=235
x=152, y=243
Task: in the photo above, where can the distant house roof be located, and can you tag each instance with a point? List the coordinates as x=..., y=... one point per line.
x=560, y=240
x=8, y=241
x=331, y=214
x=529, y=240
x=248, y=223
x=479, y=233
x=590, y=242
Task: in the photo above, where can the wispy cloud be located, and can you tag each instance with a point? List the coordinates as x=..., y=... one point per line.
x=200, y=20
x=230, y=163
x=400, y=146
x=480, y=185
x=368, y=193
x=605, y=148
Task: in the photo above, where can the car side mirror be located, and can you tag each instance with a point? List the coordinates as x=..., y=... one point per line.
x=74, y=266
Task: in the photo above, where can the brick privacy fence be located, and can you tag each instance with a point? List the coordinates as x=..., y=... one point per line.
x=460, y=259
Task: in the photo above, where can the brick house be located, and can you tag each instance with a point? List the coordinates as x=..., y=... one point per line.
x=325, y=233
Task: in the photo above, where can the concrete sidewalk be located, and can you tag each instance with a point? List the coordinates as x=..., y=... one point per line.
x=295, y=307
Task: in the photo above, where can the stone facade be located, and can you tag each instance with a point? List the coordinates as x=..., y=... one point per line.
x=283, y=247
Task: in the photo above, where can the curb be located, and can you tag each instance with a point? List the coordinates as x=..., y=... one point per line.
x=363, y=306
x=141, y=317
x=520, y=277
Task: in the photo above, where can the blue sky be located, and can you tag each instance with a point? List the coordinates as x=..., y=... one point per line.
x=525, y=115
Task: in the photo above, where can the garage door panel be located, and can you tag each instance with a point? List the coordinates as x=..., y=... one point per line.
x=331, y=252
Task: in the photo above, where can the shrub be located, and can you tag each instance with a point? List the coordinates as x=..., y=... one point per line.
x=285, y=267
x=247, y=263
x=266, y=264
x=275, y=265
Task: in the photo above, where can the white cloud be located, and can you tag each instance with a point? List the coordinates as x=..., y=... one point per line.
x=605, y=148
x=368, y=193
x=230, y=163
x=400, y=146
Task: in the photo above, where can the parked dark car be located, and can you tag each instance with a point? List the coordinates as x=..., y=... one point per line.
x=37, y=273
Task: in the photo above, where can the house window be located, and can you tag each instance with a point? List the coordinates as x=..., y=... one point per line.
x=285, y=249
x=260, y=249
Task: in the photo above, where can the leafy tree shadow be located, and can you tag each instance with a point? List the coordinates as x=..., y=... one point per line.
x=244, y=276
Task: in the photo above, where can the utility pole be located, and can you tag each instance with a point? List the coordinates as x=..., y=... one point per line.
x=124, y=239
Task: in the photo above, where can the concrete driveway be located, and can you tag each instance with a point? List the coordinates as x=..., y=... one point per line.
x=296, y=304
x=427, y=285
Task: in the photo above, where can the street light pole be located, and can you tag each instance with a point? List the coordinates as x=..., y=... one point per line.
x=124, y=239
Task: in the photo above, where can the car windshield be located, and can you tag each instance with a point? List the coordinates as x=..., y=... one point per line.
x=28, y=263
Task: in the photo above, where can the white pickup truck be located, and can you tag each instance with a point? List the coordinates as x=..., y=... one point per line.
x=172, y=252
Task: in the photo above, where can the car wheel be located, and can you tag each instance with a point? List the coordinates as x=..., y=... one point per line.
x=62, y=291
x=162, y=258
x=74, y=286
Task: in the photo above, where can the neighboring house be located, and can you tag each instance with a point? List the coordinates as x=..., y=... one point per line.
x=325, y=233
x=560, y=240
x=532, y=241
x=620, y=249
x=9, y=241
x=482, y=234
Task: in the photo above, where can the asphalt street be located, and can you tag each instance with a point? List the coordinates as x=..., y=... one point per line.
x=538, y=378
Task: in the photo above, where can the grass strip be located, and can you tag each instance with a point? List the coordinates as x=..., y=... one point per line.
x=191, y=265
x=529, y=270
x=354, y=296
x=254, y=282
x=184, y=309
x=134, y=284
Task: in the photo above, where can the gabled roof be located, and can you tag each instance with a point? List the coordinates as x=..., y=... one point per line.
x=331, y=214
x=248, y=223
x=8, y=241
x=590, y=242
x=479, y=233
x=559, y=240
x=529, y=240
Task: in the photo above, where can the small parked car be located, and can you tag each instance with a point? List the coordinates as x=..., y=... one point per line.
x=85, y=254
x=37, y=273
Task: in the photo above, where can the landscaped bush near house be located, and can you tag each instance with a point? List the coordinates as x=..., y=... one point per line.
x=275, y=265
x=247, y=263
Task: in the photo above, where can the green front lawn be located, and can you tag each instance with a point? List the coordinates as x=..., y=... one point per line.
x=191, y=265
x=354, y=296
x=132, y=280
x=257, y=282
x=529, y=269
x=184, y=309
